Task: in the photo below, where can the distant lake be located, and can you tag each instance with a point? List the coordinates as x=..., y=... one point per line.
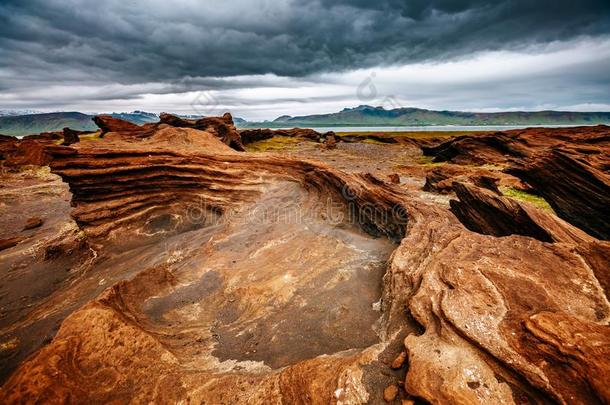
x=430, y=128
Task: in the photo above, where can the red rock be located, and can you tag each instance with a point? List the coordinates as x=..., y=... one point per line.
x=440, y=179
x=29, y=152
x=33, y=223
x=221, y=127
x=577, y=191
x=108, y=124
x=192, y=280
x=9, y=243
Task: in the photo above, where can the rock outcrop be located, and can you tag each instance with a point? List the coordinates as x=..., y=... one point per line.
x=110, y=124
x=71, y=136
x=441, y=179
x=577, y=191
x=487, y=213
x=222, y=127
x=201, y=274
x=568, y=167
x=505, y=147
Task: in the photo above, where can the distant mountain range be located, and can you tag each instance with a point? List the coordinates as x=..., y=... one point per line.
x=7, y=113
x=18, y=125
x=364, y=115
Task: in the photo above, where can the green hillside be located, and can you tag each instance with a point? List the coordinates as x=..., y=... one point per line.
x=378, y=116
x=20, y=125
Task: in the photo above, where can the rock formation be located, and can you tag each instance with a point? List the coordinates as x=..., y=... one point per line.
x=505, y=147
x=109, y=124
x=567, y=166
x=197, y=273
x=222, y=127
x=577, y=191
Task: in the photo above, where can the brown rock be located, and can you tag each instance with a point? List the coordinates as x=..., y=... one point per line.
x=484, y=212
x=394, y=178
x=508, y=146
x=222, y=127
x=45, y=136
x=399, y=361
x=8, y=145
x=330, y=140
x=192, y=281
x=440, y=179
x=29, y=152
x=33, y=223
x=10, y=242
x=575, y=354
x=249, y=136
x=70, y=136
x=390, y=393
x=577, y=191
x=253, y=135
x=108, y=124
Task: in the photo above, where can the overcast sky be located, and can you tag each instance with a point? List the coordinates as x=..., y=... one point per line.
x=263, y=58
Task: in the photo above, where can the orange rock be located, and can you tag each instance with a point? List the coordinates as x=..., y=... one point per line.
x=399, y=361
x=390, y=393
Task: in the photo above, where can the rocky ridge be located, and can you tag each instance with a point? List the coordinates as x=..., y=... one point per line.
x=209, y=295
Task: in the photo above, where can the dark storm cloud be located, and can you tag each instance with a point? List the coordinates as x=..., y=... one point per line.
x=139, y=41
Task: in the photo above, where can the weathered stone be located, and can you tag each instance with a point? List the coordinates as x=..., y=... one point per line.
x=32, y=223
x=390, y=393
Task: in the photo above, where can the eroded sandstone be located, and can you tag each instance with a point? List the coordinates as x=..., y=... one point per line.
x=197, y=273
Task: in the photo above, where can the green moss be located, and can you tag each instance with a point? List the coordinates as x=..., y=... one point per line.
x=428, y=161
x=91, y=137
x=373, y=141
x=273, y=144
x=526, y=197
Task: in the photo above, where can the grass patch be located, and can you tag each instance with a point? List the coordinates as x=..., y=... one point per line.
x=373, y=141
x=273, y=144
x=91, y=137
x=428, y=161
x=526, y=197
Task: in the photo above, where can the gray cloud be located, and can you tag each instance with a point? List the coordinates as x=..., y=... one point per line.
x=191, y=45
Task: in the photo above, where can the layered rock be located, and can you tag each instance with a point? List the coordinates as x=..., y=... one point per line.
x=110, y=124
x=472, y=293
x=8, y=145
x=441, y=179
x=233, y=277
x=505, y=147
x=222, y=127
x=487, y=213
x=577, y=191
x=254, y=135
x=568, y=167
